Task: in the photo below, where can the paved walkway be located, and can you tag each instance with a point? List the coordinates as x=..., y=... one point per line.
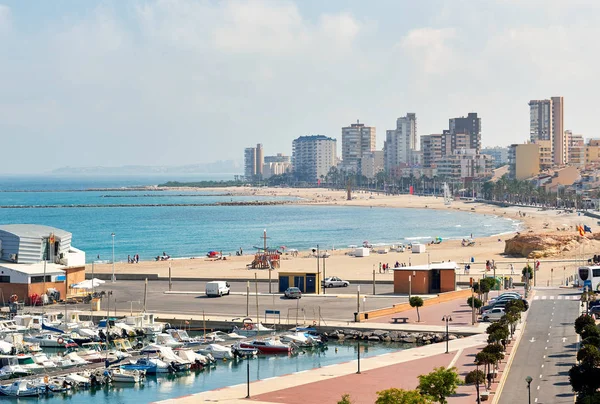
x=432, y=315
x=327, y=384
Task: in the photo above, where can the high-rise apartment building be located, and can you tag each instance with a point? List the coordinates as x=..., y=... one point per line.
x=400, y=143
x=546, y=122
x=253, y=162
x=469, y=125
x=523, y=160
x=357, y=139
x=465, y=163
x=372, y=163
x=313, y=157
x=561, y=148
x=576, y=149
x=276, y=165
x=540, y=120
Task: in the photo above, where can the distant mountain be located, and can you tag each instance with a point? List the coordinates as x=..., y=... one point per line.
x=221, y=167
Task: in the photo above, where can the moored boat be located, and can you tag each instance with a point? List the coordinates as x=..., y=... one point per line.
x=267, y=346
x=251, y=329
x=126, y=376
x=20, y=388
x=149, y=365
x=217, y=351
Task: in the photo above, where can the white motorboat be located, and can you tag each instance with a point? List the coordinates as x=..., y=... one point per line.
x=53, y=384
x=20, y=388
x=9, y=367
x=123, y=345
x=78, y=380
x=168, y=356
x=217, y=351
x=187, y=341
x=78, y=360
x=126, y=376
x=6, y=348
x=167, y=340
x=300, y=339
x=216, y=336
x=251, y=329
x=8, y=326
x=267, y=346
x=42, y=359
x=63, y=362
x=197, y=360
x=149, y=365
x=47, y=340
x=27, y=362
x=146, y=323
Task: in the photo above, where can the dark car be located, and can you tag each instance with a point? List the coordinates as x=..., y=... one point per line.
x=595, y=311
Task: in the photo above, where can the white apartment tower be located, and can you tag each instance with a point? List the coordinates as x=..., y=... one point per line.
x=313, y=157
x=401, y=142
x=357, y=139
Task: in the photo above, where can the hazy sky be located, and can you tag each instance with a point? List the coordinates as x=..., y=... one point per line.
x=170, y=82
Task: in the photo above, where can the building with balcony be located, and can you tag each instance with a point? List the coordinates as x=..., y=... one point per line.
x=313, y=157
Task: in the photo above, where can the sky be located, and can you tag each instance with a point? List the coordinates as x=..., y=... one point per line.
x=173, y=82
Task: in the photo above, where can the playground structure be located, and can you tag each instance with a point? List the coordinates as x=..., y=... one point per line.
x=266, y=259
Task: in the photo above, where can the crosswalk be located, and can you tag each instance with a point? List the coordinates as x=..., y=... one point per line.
x=560, y=297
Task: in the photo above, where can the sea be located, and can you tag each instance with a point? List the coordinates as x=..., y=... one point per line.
x=189, y=224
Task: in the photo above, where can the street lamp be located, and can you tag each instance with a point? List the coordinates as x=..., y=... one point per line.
x=447, y=319
x=357, y=303
x=529, y=379
x=113, y=257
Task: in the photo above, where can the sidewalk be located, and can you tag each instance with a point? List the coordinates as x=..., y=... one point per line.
x=328, y=384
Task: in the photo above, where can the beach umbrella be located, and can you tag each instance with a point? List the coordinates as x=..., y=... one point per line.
x=88, y=284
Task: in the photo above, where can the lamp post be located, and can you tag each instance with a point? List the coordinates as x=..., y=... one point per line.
x=248, y=378
x=113, y=257
x=447, y=319
x=357, y=303
x=358, y=355
x=529, y=379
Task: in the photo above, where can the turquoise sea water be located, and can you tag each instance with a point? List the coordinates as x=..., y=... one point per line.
x=157, y=388
x=186, y=231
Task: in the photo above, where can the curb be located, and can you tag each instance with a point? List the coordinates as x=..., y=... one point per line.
x=498, y=392
x=340, y=296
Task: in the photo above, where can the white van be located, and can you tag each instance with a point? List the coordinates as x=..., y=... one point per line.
x=217, y=288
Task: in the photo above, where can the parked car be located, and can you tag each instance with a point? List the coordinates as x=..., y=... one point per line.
x=494, y=314
x=334, y=281
x=595, y=311
x=506, y=295
x=502, y=304
x=292, y=293
x=217, y=288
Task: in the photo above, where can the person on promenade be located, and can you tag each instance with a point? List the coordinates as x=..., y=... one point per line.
x=512, y=269
x=137, y=258
x=129, y=259
x=380, y=267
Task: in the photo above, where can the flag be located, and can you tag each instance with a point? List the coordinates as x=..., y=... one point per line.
x=411, y=190
x=581, y=231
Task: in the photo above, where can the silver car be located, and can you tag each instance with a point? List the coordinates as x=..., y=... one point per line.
x=334, y=281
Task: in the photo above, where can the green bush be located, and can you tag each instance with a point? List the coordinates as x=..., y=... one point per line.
x=474, y=376
x=474, y=301
x=582, y=321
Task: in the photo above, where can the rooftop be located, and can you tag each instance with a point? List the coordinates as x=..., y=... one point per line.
x=33, y=230
x=34, y=269
x=437, y=265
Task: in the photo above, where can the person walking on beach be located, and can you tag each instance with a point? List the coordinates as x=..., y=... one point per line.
x=129, y=259
x=137, y=258
x=380, y=267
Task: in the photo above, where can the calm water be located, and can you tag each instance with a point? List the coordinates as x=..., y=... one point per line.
x=185, y=231
x=225, y=374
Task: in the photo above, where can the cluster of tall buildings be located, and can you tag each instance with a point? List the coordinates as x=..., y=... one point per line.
x=549, y=145
x=454, y=153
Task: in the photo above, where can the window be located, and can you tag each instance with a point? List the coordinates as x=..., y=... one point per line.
x=4, y=279
x=40, y=279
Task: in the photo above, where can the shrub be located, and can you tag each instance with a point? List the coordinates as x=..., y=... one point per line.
x=474, y=377
x=474, y=302
x=582, y=321
x=417, y=302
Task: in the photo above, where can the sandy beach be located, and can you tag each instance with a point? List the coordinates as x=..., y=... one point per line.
x=534, y=220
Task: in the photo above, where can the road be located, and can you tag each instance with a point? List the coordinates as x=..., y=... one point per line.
x=130, y=295
x=547, y=350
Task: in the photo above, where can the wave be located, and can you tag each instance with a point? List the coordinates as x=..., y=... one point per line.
x=417, y=238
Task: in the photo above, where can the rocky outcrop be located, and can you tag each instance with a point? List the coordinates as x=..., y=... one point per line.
x=419, y=338
x=546, y=244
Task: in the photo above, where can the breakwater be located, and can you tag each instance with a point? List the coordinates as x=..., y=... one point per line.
x=147, y=205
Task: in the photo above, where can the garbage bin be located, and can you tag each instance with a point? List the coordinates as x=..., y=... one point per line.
x=356, y=320
x=96, y=304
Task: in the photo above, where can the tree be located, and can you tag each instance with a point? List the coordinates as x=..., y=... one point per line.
x=593, y=340
x=474, y=302
x=514, y=305
x=511, y=318
x=345, y=399
x=439, y=384
x=527, y=269
x=582, y=321
x=498, y=335
x=585, y=380
x=589, y=355
x=590, y=330
x=399, y=396
x=417, y=302
x=474, y=376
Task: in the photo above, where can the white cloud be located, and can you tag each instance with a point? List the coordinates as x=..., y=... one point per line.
x=429, y=49
x=5, y=19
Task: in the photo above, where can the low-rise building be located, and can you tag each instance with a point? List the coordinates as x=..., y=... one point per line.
x=35, y=258
x=372, y=163
x=425, y=279
x=523, y=160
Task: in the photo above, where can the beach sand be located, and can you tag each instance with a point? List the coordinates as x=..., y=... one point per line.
x=533, y=220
